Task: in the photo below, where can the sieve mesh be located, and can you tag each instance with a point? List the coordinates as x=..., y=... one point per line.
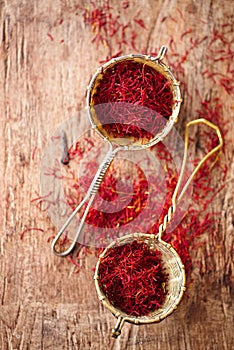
x=175, y=285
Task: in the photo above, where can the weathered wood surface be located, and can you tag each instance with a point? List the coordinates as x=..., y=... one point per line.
x=42, y=82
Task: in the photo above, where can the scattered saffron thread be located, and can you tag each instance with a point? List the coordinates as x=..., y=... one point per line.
x=30, y=229
x=50, y=37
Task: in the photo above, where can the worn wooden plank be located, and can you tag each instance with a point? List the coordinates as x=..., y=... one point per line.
x=44, y=305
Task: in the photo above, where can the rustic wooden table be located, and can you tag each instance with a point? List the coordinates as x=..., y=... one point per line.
x=47, y=56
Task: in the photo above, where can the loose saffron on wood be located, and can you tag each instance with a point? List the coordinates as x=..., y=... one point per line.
x=133, y=278
x=106, y=25
x=183, y=238
x=132, y=100
x=125, y=205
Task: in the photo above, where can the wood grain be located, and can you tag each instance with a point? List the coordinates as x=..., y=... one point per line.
x=44, y=305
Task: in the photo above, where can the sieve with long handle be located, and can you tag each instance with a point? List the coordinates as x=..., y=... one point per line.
x=170, y=258
x=119, y=144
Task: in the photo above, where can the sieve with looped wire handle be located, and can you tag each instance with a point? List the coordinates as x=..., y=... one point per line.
x=170, y=259
x=126, y=142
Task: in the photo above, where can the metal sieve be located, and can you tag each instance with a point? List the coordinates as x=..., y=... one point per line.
x=119, y=143
x=170, y=259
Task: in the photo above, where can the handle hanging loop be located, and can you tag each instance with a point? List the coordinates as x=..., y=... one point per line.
x=89, y=198
x=176, y=198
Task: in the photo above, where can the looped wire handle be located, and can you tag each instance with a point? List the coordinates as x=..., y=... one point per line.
x=89, y=197
x=176, y=198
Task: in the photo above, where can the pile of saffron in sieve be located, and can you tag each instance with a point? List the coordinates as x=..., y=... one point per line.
x=133, y=278
x=132, y=99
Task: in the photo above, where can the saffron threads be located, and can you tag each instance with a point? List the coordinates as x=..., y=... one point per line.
x=132, y=99
x=50, y=37
x=133, y=207
x=109, y=28
x=120, y=214
x=112, y=33
x=133, y=278
x=30, y=229
x=114, y=207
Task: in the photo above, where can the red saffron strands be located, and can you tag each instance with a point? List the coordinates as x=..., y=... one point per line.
x=50, y=37
x=34, y=152
x=140, y=22
x=108, y=29
x=140, y=85
x=189, y=31
x=30, y=229
x=119, y=207
x=125, y=4
x=183, y=238
x=135, y=200
x=133, y=278
x=43, y=202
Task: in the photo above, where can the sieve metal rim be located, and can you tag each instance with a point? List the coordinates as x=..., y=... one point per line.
x=157, y=64
x=140, y=319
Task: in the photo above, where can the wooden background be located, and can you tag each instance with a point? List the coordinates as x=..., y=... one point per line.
x=43, y=79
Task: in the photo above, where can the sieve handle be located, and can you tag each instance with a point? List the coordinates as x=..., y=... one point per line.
x=119, y=325
x=161, y=54
x=89, y=197
x=176, y=198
